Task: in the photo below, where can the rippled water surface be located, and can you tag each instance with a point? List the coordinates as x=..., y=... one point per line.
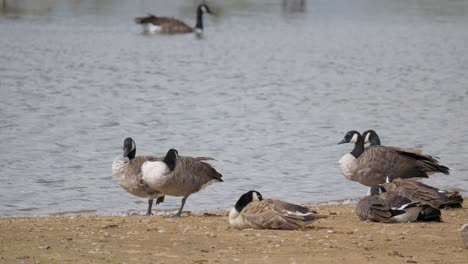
x=269, y=92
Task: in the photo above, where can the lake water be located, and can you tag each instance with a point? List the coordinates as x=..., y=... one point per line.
x=269, y=92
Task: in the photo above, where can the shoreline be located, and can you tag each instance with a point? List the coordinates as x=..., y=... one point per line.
x=166, y=211
x=206, y=237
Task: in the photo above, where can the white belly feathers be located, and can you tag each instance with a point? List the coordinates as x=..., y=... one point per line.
x=155, y=173
x=346, y=165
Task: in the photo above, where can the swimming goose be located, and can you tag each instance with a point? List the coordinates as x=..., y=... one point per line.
x=420, y=192
x=376, y=163
x=390, y=207
x=169, y=25
x=464, y=234
x=179, y=176
x=127, y=171
x=252, y=211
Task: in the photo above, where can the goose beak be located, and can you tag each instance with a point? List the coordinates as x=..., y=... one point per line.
x=126, y=151
x=342, y=141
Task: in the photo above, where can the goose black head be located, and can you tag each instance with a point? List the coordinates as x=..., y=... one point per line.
x=247, y=198
x=145, y=20
x=376, y=189
x=204, y=9
x=171, y=159
x=370, y=136
x=351, y=137
x=129, y=148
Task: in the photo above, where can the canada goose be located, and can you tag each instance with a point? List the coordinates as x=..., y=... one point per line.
x=390, y=207
x=370, y=136
x=252, y=211
x=464, y=234
x=420, y=192
x=179, y=176
x=127, y=171
x=169, y=25
x=376, y=163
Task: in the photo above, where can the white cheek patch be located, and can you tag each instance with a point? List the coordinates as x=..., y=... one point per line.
x=255, y=197
x=204, y=10
x=366, y=140
x=354, y=139
x=133, y=145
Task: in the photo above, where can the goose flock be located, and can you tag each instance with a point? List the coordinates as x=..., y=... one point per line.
x=392, y=173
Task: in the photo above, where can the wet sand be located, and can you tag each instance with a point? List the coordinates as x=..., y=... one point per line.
x=208, y=238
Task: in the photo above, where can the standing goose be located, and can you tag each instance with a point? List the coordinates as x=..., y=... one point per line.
x=390, y=207
x=420, y=192
x=169, y=25
x=370, y=136
x=376, y=163
x=252, y=211
x=127, y=171
x=179, y=176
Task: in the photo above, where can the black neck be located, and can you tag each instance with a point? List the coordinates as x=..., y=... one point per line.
x=171, y=159
x=358, y=147
x=199, y=19
x=374, y=140
x=243, y=201
x=240, y=205
x=132, y=154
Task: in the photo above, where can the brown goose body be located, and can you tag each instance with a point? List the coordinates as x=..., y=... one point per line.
x=130, y=179
x=167, y=25
x=261, y=213
x=189, y=176
x=374, y=164
x=179, y=176
x=377, y=163
x=374, y=208
x=127, y=171
x=170, y=25
x=390, y=207
x=420, y=192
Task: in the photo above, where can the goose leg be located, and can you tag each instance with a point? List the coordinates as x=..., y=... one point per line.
x=150, y=205
x=181, y=207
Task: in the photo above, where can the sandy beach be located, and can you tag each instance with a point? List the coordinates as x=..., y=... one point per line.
x=208, y=238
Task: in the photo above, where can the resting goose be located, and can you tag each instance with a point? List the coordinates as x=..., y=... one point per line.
x=420, y=192
x=252, y=211
x=169, y=25
x=376, y=163
x=127, y=171
x=390, y=207
x=179, y=176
